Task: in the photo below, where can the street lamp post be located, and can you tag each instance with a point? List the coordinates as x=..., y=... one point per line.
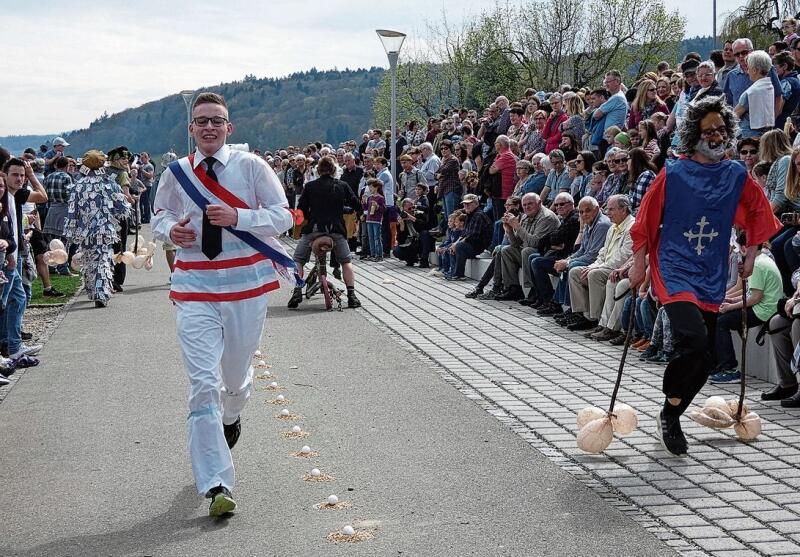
x=188, y=95
x=392, y=41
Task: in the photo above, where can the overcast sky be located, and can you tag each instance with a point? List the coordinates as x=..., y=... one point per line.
x=67, y=62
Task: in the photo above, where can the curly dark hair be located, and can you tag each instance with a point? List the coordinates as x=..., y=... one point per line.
x=689, y=131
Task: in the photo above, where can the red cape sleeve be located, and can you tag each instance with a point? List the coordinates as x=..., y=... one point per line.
x=754, y=214
x=644, y=231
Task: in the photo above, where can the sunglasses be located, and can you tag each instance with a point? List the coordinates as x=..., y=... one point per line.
x=741, y=53
x=748, y=152
x=560, y=204
x=651, y=90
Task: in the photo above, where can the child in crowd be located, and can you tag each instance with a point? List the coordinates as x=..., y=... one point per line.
x=374, y=207
x=455, y=228
x=760, y=173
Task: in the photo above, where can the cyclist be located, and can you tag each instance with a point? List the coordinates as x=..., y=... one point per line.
x=324, y=202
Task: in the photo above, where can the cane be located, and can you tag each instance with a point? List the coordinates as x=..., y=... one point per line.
x=743, y=369
x=596, y=426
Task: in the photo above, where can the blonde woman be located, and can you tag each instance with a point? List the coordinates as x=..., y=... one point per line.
x=774, y=149
x=645, y=104
x=786, y=199
x=574, y=125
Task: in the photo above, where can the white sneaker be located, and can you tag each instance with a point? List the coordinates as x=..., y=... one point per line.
x=25, y=350
x=4, y=380
x=437, y=274
x=485, y=254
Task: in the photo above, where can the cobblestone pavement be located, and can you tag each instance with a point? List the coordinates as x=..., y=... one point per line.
x=726, y=498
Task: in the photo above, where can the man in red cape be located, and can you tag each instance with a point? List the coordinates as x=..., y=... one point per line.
x=684, y=225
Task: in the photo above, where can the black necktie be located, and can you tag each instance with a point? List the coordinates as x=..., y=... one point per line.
x=212, y=234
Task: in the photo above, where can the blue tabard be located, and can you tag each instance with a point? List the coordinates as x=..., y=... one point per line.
x=700, y=203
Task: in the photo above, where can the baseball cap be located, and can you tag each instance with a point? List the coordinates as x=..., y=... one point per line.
x=60, y=141
x=470, y=198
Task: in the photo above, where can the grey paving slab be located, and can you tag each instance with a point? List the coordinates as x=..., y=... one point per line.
x=95, y=441
x=556, y=373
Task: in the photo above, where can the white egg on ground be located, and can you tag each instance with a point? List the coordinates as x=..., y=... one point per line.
x=274, y=384
x=332, y=499
x=315, y=472
x=280, y=398
x=257, y=353
x=305, y=449
x=296, y=429
x=348, y=530
x=285, y=412
x=262, y=363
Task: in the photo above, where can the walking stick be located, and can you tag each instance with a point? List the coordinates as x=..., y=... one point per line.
x=596, y=426
x=717, y=413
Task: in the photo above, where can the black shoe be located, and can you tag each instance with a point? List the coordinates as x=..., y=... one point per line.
x=222, y=502
x=591, y=332
x=51, y=293
x=529, y=302
x=100, y=303
x=477, y=291
x=670, y=433
x=490, y=295
x=778, y=393
x=582, y=324
x=792, y=402
x=232, y=432
x=297, y=297
x=511, y=293
x=618, y=340
x=26, y=336
x=550, y=309
x=651, y=351
x=352, y=301
x=116, y=287
x=337, y=273
x=409, y=263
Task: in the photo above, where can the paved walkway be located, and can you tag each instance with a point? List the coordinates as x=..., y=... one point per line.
x=726, y=498
x=94, y=460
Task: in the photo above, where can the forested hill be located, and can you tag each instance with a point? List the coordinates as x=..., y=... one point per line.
x=329, y=106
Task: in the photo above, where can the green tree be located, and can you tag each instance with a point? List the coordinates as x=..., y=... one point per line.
x=759, y=21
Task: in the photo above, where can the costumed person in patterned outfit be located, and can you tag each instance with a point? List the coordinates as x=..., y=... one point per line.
x=223, y=209
x=118, y=169
x=96, y=205
x=684, y=226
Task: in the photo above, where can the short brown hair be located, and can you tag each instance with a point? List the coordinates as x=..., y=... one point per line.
x=209, y=98
x=381, y=160
x=326, y=166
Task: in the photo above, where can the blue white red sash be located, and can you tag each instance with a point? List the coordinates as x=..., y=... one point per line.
x=283, y=264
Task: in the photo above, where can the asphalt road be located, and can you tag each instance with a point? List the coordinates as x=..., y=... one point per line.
x=94, y=460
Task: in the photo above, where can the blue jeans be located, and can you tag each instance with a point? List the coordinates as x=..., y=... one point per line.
x=784, y=256
x=15, y=302
x=464, y=251
x=446, y=262
x=450, y=202
x=541, y=271
x=497, y=235
x=645, y=317
x=375, y=239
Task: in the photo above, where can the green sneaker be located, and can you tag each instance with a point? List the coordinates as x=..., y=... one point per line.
x=222, y=502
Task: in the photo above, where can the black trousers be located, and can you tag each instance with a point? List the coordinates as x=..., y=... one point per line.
x=119, y=247
x=693, y=333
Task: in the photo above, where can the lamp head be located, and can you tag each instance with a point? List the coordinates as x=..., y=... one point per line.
x=392, y=41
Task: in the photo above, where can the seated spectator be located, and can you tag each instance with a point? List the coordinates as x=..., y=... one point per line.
x=558, y=179
x=533, y=143
x=649, y=139
x=476, y=237
x=786, y=199
x=494, y=272
x=756, y=106
x=617, y=181
x=408, y=243
x=568, y=146
x=587, y=284
x=574, y=125
x=600, y=173
x=583, y=169
x=641, y=173
x=538, y=175
x=760, y=173
x=445, y=250
x=594, y=227
x=784, y=331
x=523, y=175
x=610, y=326
x=524, y=233
x=765, y=289
x=557, y=245
x=747, y=148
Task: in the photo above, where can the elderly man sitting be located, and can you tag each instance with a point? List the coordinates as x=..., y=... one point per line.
x=558, y=245
x=587, y=285
x=524, y=233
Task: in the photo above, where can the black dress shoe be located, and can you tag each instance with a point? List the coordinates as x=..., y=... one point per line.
x=530, y=302
x=792, y=402
x=582, y=324
x=474, y=293
x=779, y=393
x=550, y=309
x=512, y=293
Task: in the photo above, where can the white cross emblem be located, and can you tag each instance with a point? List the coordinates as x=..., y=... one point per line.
x=699, y=236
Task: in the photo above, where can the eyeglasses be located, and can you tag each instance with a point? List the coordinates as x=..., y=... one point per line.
x=701, y=76
x=741, y=53
x=651, y=90
x=748, y=152
x=621, y=161
x=599, y=172
x=561, y=204
x=216, y=121
x=578, y=160
x=540, y=118
x=722, y=131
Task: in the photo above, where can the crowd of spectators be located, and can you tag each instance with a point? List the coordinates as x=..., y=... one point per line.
x=546, y=186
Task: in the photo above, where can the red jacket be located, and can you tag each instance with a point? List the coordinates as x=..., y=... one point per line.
x=552, y=132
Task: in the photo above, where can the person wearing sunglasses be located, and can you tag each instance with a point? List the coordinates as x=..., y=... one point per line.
x=645, y=104
x=748, y=152
x=739, y=79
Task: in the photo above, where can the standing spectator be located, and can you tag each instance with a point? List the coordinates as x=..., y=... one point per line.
x=730, y=63
x=552, y=128
x=789, y=27
x=790, y=86
x=615, y=109
x=146, y=174
x=389, y=226
x=58, y=186
x=574, y=125
x=449, y=188
x=59, y=143
x=504, y=164
x=707, y=80
x=533, y=143
x=374, y=209
x=755, y=107
x=352, y=173
x=645, y=104
x=409, y=178
x=739, y=79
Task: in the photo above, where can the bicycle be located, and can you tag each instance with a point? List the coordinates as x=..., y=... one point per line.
x=318, y=277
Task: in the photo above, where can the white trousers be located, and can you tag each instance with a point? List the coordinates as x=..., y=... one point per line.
x=217, y=340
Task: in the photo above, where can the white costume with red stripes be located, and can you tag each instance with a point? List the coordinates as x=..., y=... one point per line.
x=221, y=303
